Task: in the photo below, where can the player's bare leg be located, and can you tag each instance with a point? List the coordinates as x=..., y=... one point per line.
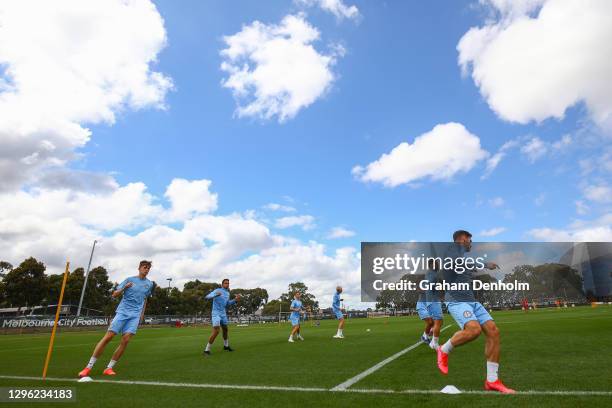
x=492, y=350
x=471, y=330
x=437, y=324
x=426, y=333
x=294, y=330
x=211, y=339
x=98, y=350
x=125, y=339
x=339, y=333
x=492, y=344
x=226, y=345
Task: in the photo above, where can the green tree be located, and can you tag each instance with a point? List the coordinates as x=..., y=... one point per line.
x=99, y=289
x=72, y=292
x=548, y=281
x=26, y=284
x=250, y=299
x=274, y=306
x=308, y=299
x=5, y=268
x=400, y=299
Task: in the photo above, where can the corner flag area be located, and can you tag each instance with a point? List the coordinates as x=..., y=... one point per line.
x=552, y=357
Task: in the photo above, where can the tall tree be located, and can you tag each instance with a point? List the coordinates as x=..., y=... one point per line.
x=251, y=299
x=308, y=299
x=5, y=268
x=274, y=306
x=98, y=291
x=26, y=284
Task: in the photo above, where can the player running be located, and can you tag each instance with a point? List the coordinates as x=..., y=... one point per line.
x=221, y=301
x=128, y=315
x=296, y=309
x=429, y=309
x=338, y=312
x=471, y=316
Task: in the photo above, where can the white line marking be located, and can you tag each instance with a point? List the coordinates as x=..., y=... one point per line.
x=183, y=385
x=346, y=384
x=305, y=389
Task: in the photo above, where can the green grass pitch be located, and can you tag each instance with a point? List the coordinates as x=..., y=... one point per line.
x=544, y=350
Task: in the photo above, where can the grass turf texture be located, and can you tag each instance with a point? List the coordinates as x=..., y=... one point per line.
x=547, y=349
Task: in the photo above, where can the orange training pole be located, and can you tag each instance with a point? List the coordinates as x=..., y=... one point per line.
x=57, y=312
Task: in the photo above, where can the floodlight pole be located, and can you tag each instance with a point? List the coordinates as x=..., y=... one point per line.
x=85, y=281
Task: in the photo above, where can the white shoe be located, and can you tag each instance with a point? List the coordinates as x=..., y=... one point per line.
x=338, y=336
x=291, y=340
x=301, y=338
x=433, y=346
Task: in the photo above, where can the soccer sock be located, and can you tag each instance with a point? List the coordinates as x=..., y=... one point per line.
x=340, y=332
x=426, y=334
x=91, y=363
x=226, y=342
x=208, y=346
x=290, y=336
x=492, y=371
x=434, y=340
x=111, y=364
x=447, y=347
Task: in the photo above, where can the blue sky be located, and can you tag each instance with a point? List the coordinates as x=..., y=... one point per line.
x=518, y=109
x=399, y=78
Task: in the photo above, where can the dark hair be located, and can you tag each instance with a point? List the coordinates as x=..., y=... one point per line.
x=144, y=262
x=223, y=281
x=459, y=233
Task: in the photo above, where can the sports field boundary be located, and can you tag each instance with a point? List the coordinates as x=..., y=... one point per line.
x=348, y=383
x=305, y=389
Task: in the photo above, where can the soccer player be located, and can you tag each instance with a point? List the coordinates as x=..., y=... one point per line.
x=429, y=309
x=221, y=301
x=296, y=309
x=470, y=315
x=128, y=315
x=338, y=312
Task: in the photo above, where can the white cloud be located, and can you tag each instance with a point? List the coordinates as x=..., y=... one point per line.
x=54, y=226
x=496, y=202
x=340, y=232
x=492, y=232
x=123, y=208
x=72, y=63
x=534, y=149
x=190, y=197
x=274, y=70
x=598, y=230
x=564, y=142
x=539, y=200
x=446, y=150
x=494, y=160
x=598, y=193
x=336, y=7
x=279, y=207
x=581, y=207
x=67, y=64
x=533, y=67
x=306, y=222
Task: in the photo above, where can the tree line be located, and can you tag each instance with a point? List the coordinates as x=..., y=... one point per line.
x=546, y=281
x=29, y=285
